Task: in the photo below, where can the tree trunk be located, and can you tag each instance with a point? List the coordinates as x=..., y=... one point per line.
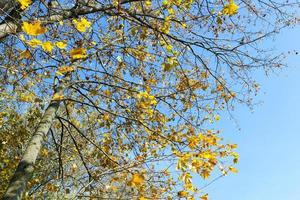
x=6, y=6
x=25, y=168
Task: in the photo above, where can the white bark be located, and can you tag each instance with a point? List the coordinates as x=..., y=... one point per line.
x=25, y=168
x=6, y=6
x=7, y=29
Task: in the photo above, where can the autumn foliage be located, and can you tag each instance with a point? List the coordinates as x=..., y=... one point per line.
x=140, y=84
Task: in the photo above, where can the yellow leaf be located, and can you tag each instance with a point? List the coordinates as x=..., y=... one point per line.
x=25, y=3
x=27, y=97
x=25, y=54
x=78, y=53
x=233, y=170
x=220, y=88
x=57, y=97
x=106, y=92
x=106, y=117
x=82, y=24
x=193, y=142
x=137, y=179
x=219, y=21
x=34, y=42
x=34, y=28
x=166, y=26
x=94, y=92
x=44, y=152
x=204, y=197
x=166, y=3
x=65, y=69
x=22, y=37
x=51, y=188
x=235, y=157
x=230, y=9
x=207, y=155
x=47, y=46
x=182, y=193
x=169, y=48
x=217, y=117
x=74, y=167
x=204, y=74
x=148, y=3
x=61, y=44
x=205, y=174
x=170, y=63
x=58, y=73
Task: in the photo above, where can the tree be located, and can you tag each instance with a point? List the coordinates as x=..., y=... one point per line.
x=129, y=90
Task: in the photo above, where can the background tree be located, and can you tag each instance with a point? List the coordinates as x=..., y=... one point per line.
x=129, y=90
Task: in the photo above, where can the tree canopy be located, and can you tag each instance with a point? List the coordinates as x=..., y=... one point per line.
x=119, y=97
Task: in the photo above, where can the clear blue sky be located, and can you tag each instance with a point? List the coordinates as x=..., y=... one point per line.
x=269, y=139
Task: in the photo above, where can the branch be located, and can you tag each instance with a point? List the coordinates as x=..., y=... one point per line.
x=10, y=27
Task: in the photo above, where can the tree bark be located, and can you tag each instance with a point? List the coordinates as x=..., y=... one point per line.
x=6, y=6
x=13, y=27
x=25, y=168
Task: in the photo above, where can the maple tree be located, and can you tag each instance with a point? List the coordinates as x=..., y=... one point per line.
x=119, y=97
